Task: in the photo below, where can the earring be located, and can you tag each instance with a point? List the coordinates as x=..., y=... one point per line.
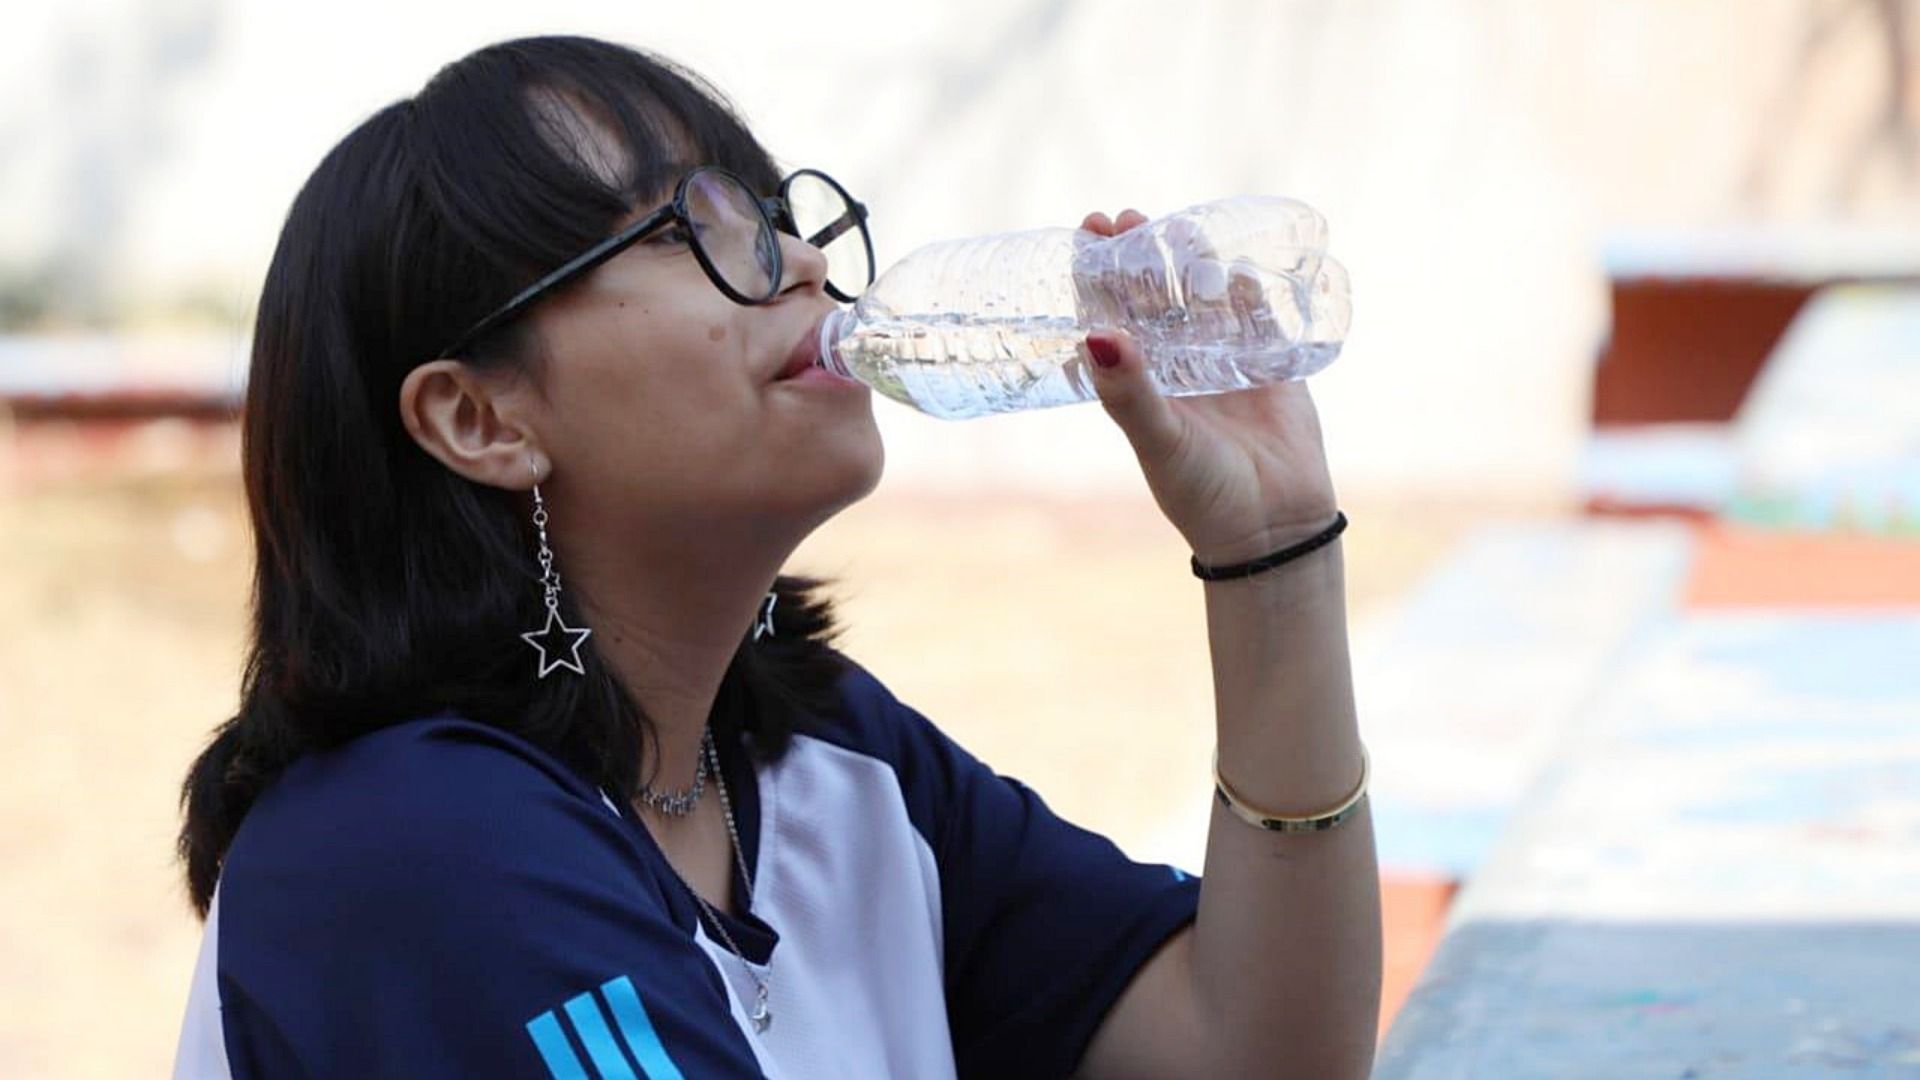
x=559, y=644
x=764, y=627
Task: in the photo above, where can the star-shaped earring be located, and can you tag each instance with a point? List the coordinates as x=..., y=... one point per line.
x=765, y=624
x=565, y=652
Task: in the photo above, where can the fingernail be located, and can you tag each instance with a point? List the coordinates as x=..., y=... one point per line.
x=1105, y=353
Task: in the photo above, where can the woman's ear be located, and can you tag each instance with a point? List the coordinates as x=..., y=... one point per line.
x=472, y=424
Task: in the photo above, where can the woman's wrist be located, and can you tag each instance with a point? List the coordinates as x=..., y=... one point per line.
x=1275, y=549
x=1225, y=552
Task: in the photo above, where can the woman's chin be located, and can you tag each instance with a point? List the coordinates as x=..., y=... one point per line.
x=856, y=478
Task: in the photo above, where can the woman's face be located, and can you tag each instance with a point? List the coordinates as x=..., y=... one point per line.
x=660, y=408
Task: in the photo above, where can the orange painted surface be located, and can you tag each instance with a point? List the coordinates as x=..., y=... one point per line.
x=1746, y=567
x=1413, y=911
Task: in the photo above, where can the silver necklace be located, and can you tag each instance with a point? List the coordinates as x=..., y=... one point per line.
x=762, y=1015
x=678, y=804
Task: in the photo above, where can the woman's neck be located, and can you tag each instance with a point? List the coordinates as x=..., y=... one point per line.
x=669, y=625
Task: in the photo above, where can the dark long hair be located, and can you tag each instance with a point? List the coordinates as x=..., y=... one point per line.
x=386, y=587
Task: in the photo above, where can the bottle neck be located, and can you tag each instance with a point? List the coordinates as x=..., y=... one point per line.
x=834, y=329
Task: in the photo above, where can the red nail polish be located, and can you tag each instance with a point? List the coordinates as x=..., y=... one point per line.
x=1105, y=353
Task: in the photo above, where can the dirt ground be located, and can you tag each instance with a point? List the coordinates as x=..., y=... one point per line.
x=1061, y=640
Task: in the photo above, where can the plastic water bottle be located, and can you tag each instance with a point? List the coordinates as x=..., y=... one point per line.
x=1223, y=296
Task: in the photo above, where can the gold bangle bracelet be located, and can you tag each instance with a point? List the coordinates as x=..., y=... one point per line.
x=1260, y=819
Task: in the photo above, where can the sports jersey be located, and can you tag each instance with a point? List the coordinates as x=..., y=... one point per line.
x=441, y=898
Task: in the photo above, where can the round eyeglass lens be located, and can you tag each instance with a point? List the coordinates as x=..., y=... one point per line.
x=828, y=221
x=734, y=232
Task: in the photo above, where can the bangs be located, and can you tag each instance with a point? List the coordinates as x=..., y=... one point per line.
x=537, y=149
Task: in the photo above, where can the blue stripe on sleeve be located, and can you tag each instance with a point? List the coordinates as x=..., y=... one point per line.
x=552, y=1042
x=637, y=1028
x=592, y=1029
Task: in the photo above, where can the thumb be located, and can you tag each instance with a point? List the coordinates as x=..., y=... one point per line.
x=1119, y=370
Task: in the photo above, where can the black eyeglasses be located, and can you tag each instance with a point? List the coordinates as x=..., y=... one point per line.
x=732, y=233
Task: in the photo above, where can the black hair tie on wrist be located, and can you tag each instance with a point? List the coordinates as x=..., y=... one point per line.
x=1267, y=562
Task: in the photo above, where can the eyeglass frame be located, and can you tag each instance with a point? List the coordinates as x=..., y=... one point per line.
x=775, y=211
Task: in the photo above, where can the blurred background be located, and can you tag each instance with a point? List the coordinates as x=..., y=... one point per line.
x=1628, y=427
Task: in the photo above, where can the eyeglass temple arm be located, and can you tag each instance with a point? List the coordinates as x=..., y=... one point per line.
x=560, y=275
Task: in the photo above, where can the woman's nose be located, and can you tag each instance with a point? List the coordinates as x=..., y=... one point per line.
x=804, y=266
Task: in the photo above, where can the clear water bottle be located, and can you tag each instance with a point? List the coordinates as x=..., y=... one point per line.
x=1223, y=296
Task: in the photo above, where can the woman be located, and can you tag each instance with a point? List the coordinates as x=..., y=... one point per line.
x=532, y=774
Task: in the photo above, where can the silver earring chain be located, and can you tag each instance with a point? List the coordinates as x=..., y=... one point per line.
x=549, y=577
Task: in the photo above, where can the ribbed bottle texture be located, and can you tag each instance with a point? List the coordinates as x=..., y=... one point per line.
x=1224, y=296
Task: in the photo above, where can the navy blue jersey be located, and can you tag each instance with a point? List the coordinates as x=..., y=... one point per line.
x=442, y=899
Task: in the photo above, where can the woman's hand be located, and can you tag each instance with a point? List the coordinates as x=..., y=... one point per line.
x=1239, y=474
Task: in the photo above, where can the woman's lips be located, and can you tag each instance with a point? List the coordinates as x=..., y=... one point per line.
x=805, y=354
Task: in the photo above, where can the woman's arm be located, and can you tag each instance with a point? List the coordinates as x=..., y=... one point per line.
x=1280, y=974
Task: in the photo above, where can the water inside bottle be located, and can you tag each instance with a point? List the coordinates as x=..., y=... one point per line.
x=957, y=366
